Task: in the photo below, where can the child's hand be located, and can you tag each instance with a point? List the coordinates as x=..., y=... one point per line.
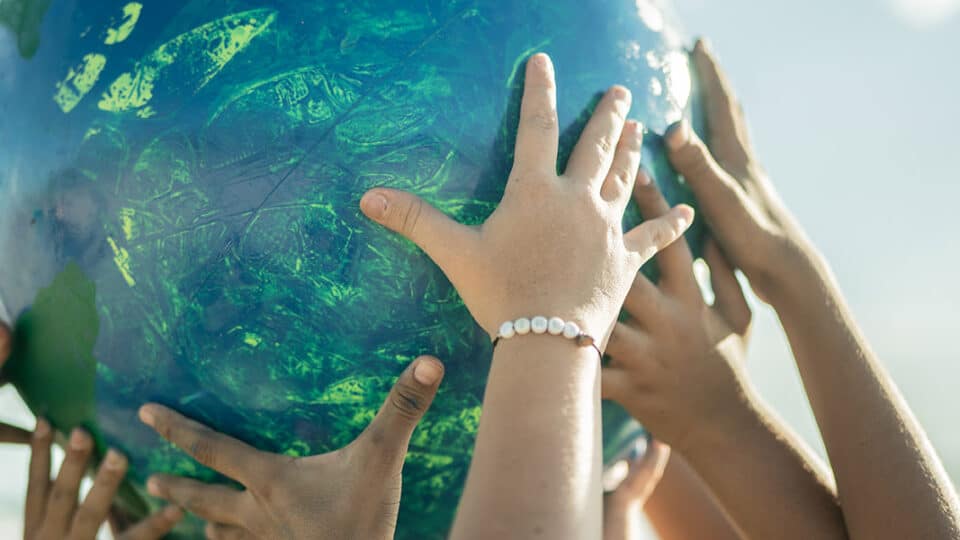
x=554, y=246
x=623, y=508
x=676, y=364
x=353, y=492
x=52, y=510
x=744, y=212
x=644, y=475
x=8, y=433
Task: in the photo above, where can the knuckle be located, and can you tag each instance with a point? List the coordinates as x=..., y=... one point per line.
x=202, y=449
x=604, y=145
x=621, y=174
x=408, y=401
x=661, y=235
x=192, y=502
x=543, y=118
x=409, y=216
x=164, y=426
x=693, y=160
x=60, y=494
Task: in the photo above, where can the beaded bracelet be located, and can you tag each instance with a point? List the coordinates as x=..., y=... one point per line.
x=541, y=325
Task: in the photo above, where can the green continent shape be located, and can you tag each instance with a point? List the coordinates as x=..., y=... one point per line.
x=23, y=18
x=52, y=365
x=79, y=81
x=131, y=14
x=204, y=51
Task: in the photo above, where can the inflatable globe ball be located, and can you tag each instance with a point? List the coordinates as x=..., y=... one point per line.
x=180, y=182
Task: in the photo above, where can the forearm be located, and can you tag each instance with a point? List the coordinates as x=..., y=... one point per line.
x=537, y=461
x=622, y=521
x=683, y=508
x=769, y=485
x=890, y=482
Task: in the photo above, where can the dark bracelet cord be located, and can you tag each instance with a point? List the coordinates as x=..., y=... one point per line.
x=583, y=340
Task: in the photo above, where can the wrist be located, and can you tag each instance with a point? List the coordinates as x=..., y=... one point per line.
x=617, y=505
x=531, y=347
x=722, y=434
x=802, y=279
x=790, y=267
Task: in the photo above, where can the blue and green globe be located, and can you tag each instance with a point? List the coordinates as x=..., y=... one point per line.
x=179, y=187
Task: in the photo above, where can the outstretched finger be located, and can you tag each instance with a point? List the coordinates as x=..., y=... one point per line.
x=729, y=300
x=675, y=261
x=719, y=194
x=538, y=132
x=155, y=526
x=646, y=473
x=651, y=236
x=626, y=162
x=65, y=491
x=440, y=237
x=593, y=153
x=220, y=452
x=726, y=126
x=406, y=404
x=212, y=502
x=629, y=348
x=95, y=508
x=39, y=478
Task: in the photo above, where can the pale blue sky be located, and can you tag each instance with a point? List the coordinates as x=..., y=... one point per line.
x=854, y=109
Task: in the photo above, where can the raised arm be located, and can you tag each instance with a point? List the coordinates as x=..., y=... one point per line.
x=554, y=247
x=677, y=366
x=682, y=507
x=890, y=482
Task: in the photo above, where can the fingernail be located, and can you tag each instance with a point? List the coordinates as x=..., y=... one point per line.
x=79, y=440
x=541, y=59
x=621, y=93
x=146, y=415
x=114, y=460
x=643, y=179
x=639, y=132
x=153, y=487
x=42, y=430
x=426, y=372
x=677, y=135
x=374, y=205
x=686, y=216
x=703, y=44
x=173, y=513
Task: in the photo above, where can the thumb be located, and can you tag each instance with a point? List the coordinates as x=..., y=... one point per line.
x=719, y=193
x=646, y=472
x=430, y=229
x=406, y=404
x=651, y=236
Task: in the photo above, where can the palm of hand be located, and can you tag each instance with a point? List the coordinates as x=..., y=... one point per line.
x=350, y=493
x=353, y=492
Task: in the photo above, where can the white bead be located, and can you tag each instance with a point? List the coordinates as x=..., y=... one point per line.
x=506, y=330
x=555, y=326
x=571, y=330
x=522, y=326
x=538, y=324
